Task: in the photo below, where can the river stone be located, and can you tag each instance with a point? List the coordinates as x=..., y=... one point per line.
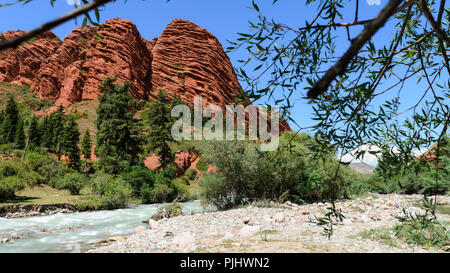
x=116, y=239
x=183, y=240
x=139, y=229
x=153, y=224
x=228, y=236
x=207, y=241
x=248, y=231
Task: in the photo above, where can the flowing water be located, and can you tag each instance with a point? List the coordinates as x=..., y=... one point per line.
x=78, y=231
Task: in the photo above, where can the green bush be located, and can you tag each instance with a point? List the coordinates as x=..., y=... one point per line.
x=161, y=193
x=73, y=182
x=202, y=165
x=164, y=177
x=146, y=194
x=45, y=165
x=172, y=210
x=191, y=174
x=214, y=191
x=111, y=193
x=239, y=163
x=423, y=229
x=419, y=176
x=169, y=173
x=138, y=177
x=9, y=186
x=182, y=191
x=244, y=173
x=8, y=171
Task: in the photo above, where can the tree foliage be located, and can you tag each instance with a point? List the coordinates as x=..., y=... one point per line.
x=119, y=136
x=69, y=143
x=160, y=123
x=349, y=113
x=86, y=145
x=10, y=120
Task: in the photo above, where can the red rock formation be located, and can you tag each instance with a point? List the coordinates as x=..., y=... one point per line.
x=19, y=66
x=190, y=61
x=183, y=159
x=186, y=60
x=75, y=71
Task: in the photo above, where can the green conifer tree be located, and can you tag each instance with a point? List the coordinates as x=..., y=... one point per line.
x=69, y=143
x=11, y=117
x=2, y=118
x=160, y=123
x=34, y=133
x=86, y=145
x=119, y=136
x=58, y=121
x=20, y=134
x=46, y=132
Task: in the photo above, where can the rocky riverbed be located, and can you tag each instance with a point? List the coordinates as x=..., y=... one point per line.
x=21, y=211
x=281, y=228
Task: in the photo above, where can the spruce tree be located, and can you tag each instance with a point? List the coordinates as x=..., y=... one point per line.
x=159, y=134
x=34, y=134
x=2, y=118
x=69, y=143
x=57, y=120
x=119, y=136
x=20, y=134
x=86, y=145
x=45, y=130
x=11, y=117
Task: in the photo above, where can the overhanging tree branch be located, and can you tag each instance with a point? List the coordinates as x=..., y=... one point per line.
x=437, y=28
x=339, y=68
x=13, y=43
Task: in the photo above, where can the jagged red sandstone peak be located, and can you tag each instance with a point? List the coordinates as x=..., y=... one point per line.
x=186, y=60
x=20, y=66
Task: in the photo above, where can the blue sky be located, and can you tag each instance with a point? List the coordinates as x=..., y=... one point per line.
x=224, y=19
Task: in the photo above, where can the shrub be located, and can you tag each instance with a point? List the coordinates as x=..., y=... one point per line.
x=214, y=191
x=423, y=229
x=168, y=173
x=165, y=177
x=146, y=194
x=202, y=165
x=182, y=191
x=168, y=211
x=292, y=172
x=8, y=171
x=9, y=186
x=161, y=193
x=45, y=165
x=111, y=193
x=138, y=177
x=73, y=182
x=191, y=174
x=238, y=162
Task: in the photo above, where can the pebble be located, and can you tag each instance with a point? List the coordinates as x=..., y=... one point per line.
x=139, y=229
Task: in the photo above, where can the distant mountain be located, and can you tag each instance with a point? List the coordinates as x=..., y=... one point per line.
x=362, y=167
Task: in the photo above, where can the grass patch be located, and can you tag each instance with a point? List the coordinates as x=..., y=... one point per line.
x=43, y=195
x=88, y=116
x=383, y=235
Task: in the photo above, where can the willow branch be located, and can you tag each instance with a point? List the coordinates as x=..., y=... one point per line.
x=439, y=32
x=339, y=68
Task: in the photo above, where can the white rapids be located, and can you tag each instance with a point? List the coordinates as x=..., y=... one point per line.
x=75, y=232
